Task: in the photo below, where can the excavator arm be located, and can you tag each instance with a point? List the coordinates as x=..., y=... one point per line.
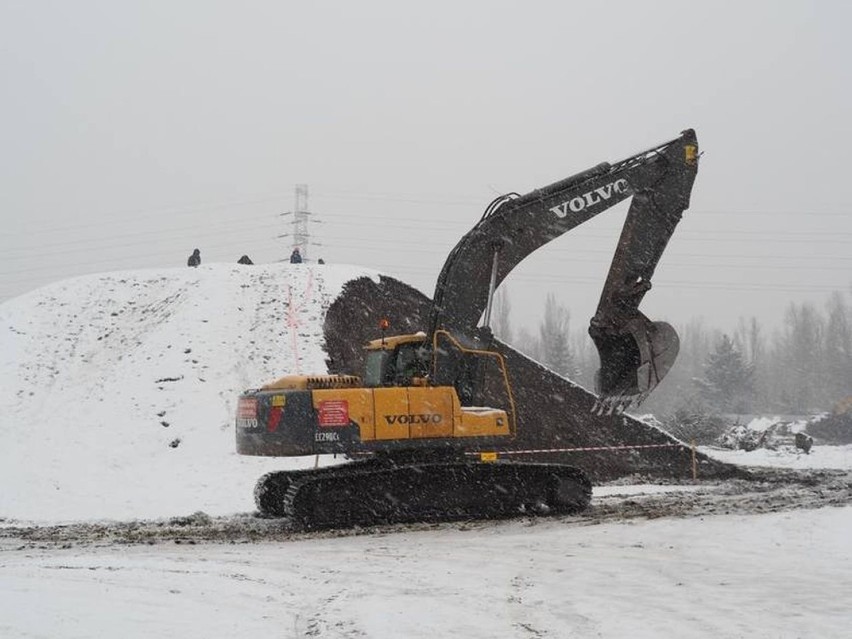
x=635, y=352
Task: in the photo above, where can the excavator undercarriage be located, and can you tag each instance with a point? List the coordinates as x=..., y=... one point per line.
x=405, y=488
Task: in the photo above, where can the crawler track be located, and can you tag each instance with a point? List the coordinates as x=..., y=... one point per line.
x=270, y=492
x=382, y=492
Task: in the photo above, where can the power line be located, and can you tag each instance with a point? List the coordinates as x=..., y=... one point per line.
x=406, y=221
x=122, y=259
x=246, y=232
x=238, y=227
x=88, y=243
x=240, y=233
x=120, y=216
x=243, y=234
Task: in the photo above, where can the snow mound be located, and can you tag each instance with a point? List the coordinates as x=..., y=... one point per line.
x=838, y=457
x=761, y=424
x=117, y=391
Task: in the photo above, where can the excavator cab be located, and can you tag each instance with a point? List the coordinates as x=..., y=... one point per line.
x=396, y=361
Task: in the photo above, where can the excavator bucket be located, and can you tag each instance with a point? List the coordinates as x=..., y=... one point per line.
x=633, y=362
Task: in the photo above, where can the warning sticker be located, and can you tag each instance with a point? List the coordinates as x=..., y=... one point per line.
x=247, y=408
x=334, y=412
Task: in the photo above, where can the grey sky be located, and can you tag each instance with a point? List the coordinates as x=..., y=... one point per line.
x=132, y=133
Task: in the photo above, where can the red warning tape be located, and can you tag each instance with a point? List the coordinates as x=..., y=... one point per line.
x=586, y=449
x=292, y=314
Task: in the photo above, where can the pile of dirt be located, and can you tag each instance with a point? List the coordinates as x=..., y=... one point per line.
x=552, y=412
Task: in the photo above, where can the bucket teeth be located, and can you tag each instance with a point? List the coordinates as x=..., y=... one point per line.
x=617, y=404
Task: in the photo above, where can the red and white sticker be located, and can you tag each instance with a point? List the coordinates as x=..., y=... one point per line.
x=333, y=412
x=247, y=408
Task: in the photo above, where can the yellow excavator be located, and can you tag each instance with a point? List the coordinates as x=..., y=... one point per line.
x=423, y=423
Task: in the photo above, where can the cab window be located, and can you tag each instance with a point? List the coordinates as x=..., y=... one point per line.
x=374, y=367
x=409, y=364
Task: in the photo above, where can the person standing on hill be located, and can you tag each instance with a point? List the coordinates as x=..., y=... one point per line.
x=194, y=259
x=295, y=256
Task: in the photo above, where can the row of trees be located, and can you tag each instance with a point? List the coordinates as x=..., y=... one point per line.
x=803, y=367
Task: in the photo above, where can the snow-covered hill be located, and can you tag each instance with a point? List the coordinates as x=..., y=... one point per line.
x=117, y=391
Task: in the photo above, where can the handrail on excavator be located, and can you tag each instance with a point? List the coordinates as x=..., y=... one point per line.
x=475, y=351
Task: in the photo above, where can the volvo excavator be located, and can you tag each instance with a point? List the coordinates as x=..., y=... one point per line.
x=422, y=425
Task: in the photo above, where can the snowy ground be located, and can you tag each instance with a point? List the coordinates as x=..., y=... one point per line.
x=819, y=457
x=774, y=575
x=116, y=401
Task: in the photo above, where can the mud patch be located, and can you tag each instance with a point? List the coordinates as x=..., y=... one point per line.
x=760, y=491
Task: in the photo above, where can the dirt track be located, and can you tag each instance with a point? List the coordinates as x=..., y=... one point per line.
x=767, y=491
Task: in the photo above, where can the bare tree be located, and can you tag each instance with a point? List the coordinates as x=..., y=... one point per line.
x=501, y=324
x=528, y=344
x=586, y=358
x=797, y=360
x=749, y=340
x=554, y=331
x=838, y=348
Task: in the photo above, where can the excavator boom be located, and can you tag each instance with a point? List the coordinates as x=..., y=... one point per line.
x=635, y=353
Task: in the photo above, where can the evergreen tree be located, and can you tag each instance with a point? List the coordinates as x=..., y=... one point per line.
x=727, y=382
x=679, y=387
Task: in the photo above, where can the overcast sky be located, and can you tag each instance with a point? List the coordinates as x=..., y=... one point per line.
x=131, y=133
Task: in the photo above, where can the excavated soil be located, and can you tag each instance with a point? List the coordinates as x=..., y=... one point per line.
x=552, y=412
